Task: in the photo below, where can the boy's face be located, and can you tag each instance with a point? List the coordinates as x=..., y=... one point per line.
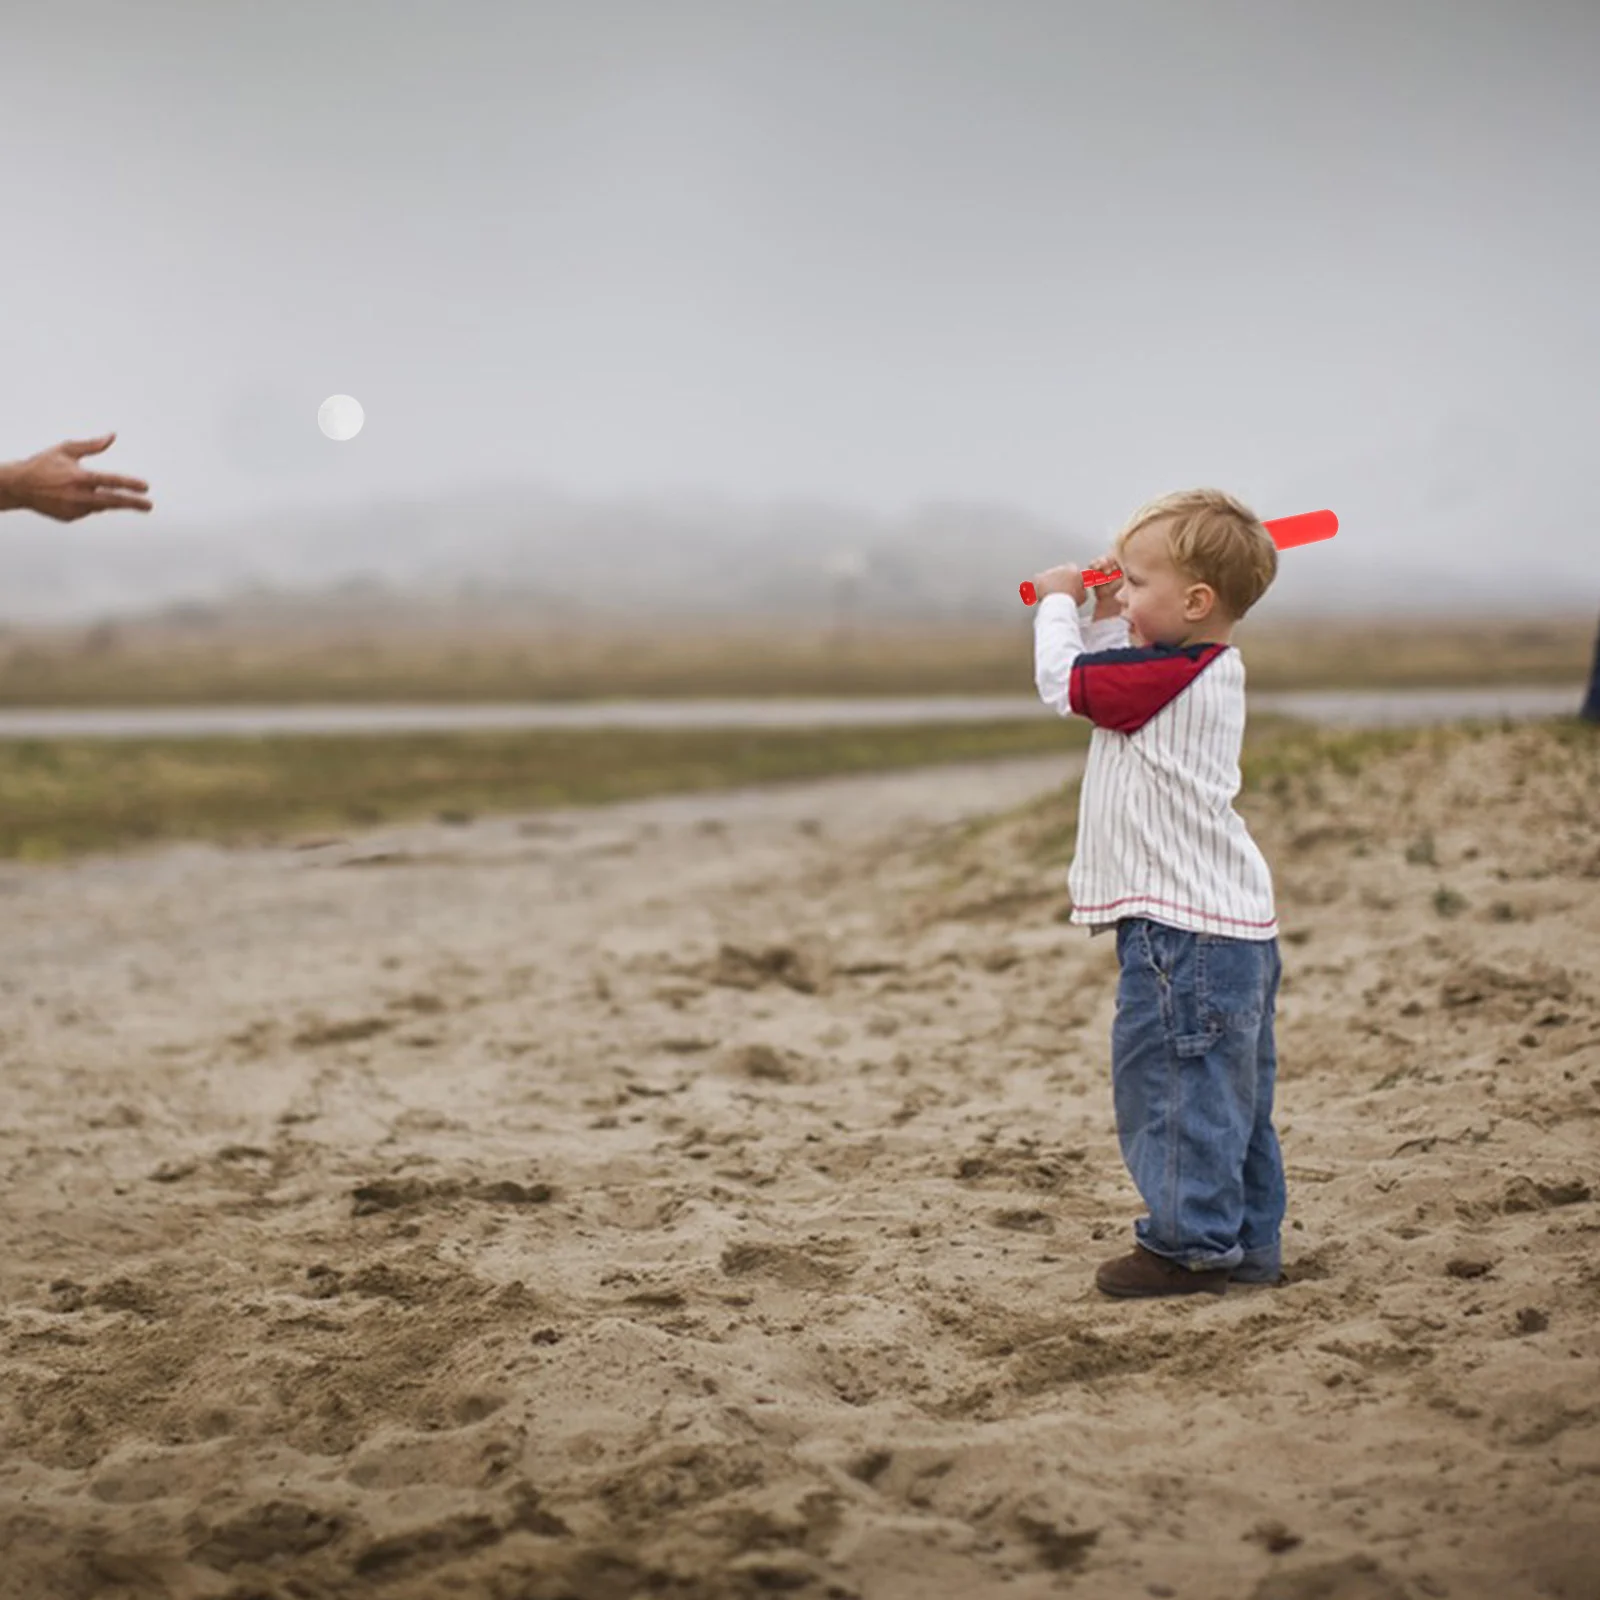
x=1153, y=590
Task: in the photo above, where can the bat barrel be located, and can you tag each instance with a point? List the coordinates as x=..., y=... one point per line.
x=1308, y=528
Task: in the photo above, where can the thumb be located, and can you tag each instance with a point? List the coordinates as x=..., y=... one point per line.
x=88, y=447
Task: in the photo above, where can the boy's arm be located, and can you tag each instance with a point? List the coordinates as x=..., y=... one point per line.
x=1108, y=628
x=1060, y=636
x=1105, y=633
x=1113, y=686
x=1057, y=644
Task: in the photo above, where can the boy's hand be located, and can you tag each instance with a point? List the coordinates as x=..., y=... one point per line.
x=1106, y=603
x=1061, y=580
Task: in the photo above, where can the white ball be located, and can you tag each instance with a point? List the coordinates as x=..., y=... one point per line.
x=340, y=416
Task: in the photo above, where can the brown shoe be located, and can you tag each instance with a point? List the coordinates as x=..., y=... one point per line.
x=1144, y=1273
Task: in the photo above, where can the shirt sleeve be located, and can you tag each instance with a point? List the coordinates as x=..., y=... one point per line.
x=1057, y=643
x=1110, y=633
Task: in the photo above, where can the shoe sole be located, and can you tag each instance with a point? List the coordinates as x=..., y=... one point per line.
x=1162, y=1294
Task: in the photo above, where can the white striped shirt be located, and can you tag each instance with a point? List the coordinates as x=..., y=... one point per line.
x=1157, y=833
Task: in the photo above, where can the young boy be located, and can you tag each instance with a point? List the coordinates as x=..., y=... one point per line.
x=1163, y=858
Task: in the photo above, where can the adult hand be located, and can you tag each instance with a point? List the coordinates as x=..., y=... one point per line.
x=55, y=484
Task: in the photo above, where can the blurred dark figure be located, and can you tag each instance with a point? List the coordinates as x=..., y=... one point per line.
x=1591, y=706
x=54, y=484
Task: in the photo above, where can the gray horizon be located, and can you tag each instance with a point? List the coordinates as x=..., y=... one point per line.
x=886, y=258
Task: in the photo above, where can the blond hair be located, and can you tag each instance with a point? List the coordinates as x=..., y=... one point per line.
x=1213, y=539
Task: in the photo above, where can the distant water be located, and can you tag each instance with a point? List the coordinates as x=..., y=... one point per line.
x=1329, y=707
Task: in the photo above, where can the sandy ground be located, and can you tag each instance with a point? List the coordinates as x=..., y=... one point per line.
x=701, y=1197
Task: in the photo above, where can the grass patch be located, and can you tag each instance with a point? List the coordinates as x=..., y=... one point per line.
x=61, y=798
x=139, y=663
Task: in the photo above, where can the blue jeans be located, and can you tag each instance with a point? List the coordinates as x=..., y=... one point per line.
x=1193, y=1066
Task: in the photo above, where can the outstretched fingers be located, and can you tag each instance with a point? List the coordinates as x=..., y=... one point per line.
x=116, y=502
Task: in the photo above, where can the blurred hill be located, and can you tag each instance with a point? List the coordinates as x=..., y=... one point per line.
x=681, y=562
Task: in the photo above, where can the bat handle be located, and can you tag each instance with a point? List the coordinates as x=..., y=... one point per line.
x=1091, y=580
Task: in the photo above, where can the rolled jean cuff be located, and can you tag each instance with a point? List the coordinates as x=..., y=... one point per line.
x=1229, y=1259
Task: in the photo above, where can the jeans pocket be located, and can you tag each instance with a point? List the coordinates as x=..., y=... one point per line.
x=1231, y=981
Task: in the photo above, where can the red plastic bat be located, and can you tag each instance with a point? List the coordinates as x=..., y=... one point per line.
x=1287, y=532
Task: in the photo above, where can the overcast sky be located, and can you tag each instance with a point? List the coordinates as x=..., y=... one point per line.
x=1058, y=256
